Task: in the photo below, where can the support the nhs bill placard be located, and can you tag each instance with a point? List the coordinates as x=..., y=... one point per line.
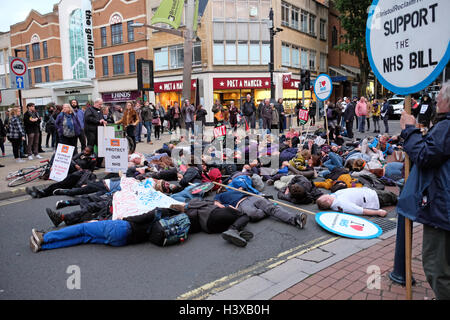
x=408, y=42
x=323, y=87
x=61, y=162
x=347, y=225
x=116, y=155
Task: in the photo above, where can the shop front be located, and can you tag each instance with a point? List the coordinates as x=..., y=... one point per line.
x=292, y=96
x=236, y=89
x=119, y=97
x=169, y=92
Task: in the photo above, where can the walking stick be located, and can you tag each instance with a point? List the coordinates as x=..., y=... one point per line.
x=408, y=229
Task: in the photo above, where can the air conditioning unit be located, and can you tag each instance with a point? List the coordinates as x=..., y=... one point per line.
x=253, y=12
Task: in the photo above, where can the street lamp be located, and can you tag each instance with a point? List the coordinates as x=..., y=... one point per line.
x=273, y=32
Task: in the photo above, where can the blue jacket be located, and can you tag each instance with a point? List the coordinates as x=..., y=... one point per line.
x=59, y=124
x=80, y=116
x=425, y=198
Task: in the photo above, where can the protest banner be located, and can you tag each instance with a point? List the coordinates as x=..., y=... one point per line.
x=61, y=162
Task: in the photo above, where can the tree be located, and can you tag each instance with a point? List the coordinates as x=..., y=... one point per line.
x=353, y=17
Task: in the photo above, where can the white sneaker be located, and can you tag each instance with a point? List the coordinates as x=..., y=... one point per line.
x=39, y=156
x=30, y=157
x=20, y=160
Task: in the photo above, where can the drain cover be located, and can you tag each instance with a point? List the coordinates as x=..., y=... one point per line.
x=386, y=224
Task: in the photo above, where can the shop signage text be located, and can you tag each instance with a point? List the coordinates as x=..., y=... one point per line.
x=169, y=86
x=241, y=83
x=121, y=96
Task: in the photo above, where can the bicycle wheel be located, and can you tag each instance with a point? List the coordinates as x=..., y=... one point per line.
x=30, y=176
x=20, y=172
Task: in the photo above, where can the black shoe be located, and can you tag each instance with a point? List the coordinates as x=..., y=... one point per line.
x=59, y=192
x=39, y=193
x=267, y=196
x=31, y=192
x=247, y=235
x=54, y=216
x=300, y=221
x=61, y=204
x=232, y=236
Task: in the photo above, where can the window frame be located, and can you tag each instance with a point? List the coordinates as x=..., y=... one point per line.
x=116, y=36
x=105, y=66
x=36, y=53
x=132, y=62
x=118, y=68
x=103, y=37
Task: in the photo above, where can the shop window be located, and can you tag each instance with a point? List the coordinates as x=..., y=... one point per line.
x=47, y=74
x=294, y=18
x=265, y=53
x=105, y=66
x=118, y=64
x=37, y=75
x=218, y=11
x=254, y=31
x=285, y=55
x=255, y=53
x=161, y=59
x=3, y=82
x=230, y=31
x=242, y=53
x=230, y=53
x=312, y=24
x=242, y=10
x=45, y=49
x=304, y=59
x=323, y=28
x=176, y=57
x=130, y=31
x=132, y=61
x=218, y=53
x=36, y=51
x=103, y=36
x=218, y=31
x=197, y=54
x=295, y=57
x=284, y=14
x=304, y=21
x=242, y=31
x=116, y=33
x=230, y=9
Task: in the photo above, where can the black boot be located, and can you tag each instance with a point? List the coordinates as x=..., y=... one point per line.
x=232, y=236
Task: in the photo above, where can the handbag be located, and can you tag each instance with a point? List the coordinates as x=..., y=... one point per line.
x=156, y=121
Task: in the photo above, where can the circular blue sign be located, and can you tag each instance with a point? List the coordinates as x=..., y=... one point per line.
x=323, y=87
x=399, y=38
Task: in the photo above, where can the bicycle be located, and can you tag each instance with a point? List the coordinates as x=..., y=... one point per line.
x=26, y=175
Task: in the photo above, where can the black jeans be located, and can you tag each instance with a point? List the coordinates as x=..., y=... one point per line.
x=349, y=127
x=97, y=187
x=68, y=183
x=221, y=219
x=157, y=132
x=16, y=146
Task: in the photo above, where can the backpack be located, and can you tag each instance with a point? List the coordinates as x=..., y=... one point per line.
x=169, y=230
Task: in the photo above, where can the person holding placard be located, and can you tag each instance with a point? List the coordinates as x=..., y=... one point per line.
x=129, y=120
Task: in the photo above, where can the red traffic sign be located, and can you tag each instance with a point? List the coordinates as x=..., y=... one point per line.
x=18, y=67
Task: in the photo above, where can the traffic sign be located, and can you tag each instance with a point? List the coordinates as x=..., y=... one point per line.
x=19, y=73
x=323, y=87
x=19, y=81
x=408, y=42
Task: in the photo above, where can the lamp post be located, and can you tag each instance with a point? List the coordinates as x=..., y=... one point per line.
x=16, y=51
x=273, y=32
x=188, y=36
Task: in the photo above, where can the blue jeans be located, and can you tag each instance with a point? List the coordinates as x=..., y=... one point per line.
x=138, y=132
x=110, y=232
x=393, y=170
x=148, y=126
x=334, y=161
x=186, y=195
x=362, y=123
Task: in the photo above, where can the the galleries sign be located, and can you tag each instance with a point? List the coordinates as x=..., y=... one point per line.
x=89, y=38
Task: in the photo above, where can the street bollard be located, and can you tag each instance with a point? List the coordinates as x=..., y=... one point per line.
x=398, y=275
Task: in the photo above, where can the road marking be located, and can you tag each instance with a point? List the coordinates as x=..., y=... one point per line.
x=228, y=281
x=7, y=202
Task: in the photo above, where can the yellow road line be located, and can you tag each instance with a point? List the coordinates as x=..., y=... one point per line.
x=218, y=285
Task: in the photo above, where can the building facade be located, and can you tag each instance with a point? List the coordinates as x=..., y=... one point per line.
x=88, y=49
x=7, y=96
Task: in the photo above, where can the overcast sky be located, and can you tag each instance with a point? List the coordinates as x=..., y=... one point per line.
x=13, y=11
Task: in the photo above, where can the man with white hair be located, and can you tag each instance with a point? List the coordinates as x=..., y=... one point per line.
x=425, y=196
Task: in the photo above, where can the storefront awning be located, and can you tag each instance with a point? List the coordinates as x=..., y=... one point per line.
x=64, y=84
x=350, y=69
x=339, y=75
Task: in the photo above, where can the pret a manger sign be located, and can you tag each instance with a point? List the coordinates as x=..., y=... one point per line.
x=408, y=42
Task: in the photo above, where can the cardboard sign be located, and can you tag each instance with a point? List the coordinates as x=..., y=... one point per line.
x=116, y=155
x=104, y=133
x=408, y=42
x=61, y=162
x=220, y=131
x=348, y=225
x=303, y=116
